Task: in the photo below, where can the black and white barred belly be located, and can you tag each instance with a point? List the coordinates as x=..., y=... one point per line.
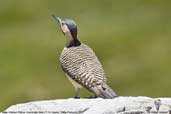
x=82, y=65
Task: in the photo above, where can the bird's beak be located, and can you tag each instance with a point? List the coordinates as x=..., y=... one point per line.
x=59, y=20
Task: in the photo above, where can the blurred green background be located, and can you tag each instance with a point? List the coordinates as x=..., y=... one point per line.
x=132, y=39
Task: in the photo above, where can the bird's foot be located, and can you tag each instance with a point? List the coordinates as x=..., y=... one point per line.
x=76, y=97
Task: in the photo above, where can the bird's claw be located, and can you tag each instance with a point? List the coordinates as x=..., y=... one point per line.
x=76, y=97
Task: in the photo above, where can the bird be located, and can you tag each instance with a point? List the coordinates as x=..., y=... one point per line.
x=80, y=64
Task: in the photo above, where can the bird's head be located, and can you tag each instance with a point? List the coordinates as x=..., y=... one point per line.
x=68, y=27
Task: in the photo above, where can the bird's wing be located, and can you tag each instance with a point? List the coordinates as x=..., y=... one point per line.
x=82, y=65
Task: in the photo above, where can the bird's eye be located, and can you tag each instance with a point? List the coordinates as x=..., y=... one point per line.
x=62, y=23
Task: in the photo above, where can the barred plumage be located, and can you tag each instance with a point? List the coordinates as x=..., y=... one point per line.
x=82, y=65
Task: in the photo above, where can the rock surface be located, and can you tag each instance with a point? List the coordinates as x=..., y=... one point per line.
x=120, y=105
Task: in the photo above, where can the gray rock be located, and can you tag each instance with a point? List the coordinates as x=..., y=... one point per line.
x=120, y=105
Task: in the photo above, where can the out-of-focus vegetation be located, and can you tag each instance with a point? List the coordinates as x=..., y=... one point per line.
x=132, y=39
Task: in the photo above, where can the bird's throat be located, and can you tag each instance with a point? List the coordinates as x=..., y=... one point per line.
x=71, y=42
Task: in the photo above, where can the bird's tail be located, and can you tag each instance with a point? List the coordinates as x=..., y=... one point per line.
x=104, y=91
